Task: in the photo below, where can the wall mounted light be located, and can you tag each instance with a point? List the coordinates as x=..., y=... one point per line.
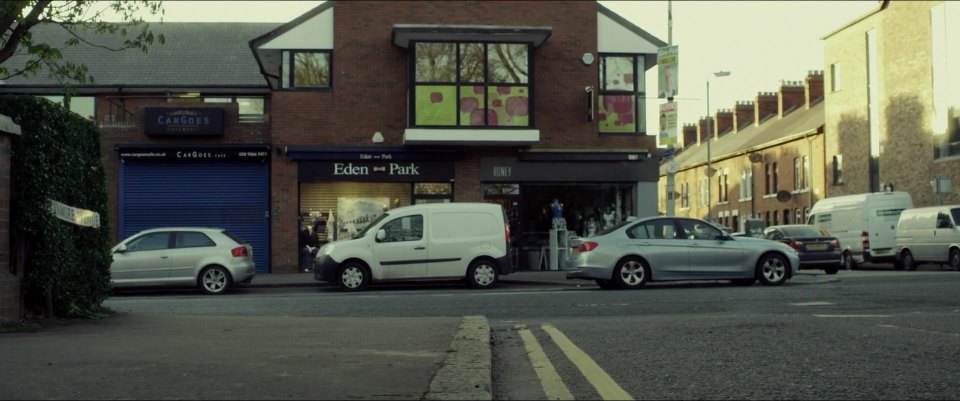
x=377, y=137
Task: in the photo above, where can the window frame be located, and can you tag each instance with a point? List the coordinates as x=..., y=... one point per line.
x=458, y=83
x=291, y=69
x=639, y=91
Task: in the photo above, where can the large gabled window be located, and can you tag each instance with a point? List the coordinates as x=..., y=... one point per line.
x=622, y=92
x=307, y=69
x=471, y=84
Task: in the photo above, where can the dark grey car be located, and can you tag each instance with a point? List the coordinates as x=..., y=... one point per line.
x=818, y=248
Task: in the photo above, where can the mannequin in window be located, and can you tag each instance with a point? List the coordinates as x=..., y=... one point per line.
x=558, y=223
x=609, y=217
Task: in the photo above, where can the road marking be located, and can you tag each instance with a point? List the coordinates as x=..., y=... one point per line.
x=605, y=385
x=853, y=316
x=814, y=303
x=553, y=386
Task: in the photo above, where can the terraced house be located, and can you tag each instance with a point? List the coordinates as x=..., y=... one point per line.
x=318, y=125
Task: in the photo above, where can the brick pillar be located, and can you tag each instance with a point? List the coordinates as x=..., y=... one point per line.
x=791, y=95
x=765, y=105
x=742, y=115
x=813, y=87
x=690, y=135
x=9, y=283
x=724, y=121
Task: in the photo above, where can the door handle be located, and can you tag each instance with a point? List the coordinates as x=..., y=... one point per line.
x=420, y=248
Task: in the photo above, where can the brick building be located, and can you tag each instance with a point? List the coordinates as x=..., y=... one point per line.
x=893, y=101
x=766, y=157
x=321, y=123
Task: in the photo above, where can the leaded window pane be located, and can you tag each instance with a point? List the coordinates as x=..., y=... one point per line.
x=471, y=62
x=507, y=63
x=436, y=62
x=311, y=70
x=618, y=73
x=617, y=113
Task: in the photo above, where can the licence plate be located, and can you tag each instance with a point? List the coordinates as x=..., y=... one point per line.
x=817, y=247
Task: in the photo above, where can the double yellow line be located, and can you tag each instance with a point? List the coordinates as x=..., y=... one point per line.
x=553, y=386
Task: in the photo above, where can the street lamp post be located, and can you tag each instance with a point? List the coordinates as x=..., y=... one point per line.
x=718, y=74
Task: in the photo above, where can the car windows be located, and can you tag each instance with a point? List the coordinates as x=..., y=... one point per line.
x=775, y=235
x=956, y=214
x=233, y=236
x=150, y=242
x=190, y=239
x=406, y=228
x=943, y=221
x=657, y=229
x=802, y=231
x=699, y=230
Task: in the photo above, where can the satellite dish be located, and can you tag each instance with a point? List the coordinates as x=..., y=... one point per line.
x=784, y=195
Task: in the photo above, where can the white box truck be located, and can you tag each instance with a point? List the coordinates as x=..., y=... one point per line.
x=865, y=224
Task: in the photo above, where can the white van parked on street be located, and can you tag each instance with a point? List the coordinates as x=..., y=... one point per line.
x=428, y=241
x=865, y=225
x=929, y=235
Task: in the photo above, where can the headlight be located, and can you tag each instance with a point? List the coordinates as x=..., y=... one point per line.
x=325, y=249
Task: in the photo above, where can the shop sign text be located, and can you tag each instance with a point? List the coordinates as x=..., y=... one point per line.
x=350, y=169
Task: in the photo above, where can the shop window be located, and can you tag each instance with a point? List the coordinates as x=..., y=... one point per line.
x=622, y=93
x=307, y=69
x=471, y=85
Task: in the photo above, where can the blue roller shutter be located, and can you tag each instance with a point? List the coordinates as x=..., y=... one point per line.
x=234, y=196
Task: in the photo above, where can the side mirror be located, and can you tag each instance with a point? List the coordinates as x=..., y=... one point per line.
x=121, y=249
x=381, y=235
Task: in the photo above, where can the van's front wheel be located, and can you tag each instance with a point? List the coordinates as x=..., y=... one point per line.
x=955, y=258
x=482, y=274
x=353, y=276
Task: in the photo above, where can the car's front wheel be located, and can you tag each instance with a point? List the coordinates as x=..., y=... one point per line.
x=631, y=273
x=482, y=274
x=353, y=276
x=215, y=280
x=772, y=269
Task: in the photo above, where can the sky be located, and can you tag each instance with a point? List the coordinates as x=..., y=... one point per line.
x=760, y=43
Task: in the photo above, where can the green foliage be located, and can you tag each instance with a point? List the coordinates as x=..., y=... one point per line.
x=85, y=20
x=58, y=158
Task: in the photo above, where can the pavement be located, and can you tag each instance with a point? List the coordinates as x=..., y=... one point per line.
x=136, y=356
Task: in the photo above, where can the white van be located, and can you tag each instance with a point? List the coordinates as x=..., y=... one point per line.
x=428, y=241
x=865, y=225
x=929, y=235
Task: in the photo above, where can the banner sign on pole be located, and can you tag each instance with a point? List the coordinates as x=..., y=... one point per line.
x=668, y=124
x=667, y=61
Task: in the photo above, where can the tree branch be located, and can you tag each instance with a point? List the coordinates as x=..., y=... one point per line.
x=10, y=47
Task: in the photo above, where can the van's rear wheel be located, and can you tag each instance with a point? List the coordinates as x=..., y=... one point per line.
x=955, y=258
x=482, y=274
x=907, y=261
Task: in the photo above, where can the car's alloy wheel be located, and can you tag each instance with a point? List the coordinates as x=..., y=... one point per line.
x=630, y=273
x=215, y=280
x=482, y=274
x=353, y=276
x=955, y=258
x=772, y=269
x=907, y=261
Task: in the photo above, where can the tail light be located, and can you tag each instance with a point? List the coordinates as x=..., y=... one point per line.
x=239, y=251
x=795, y=244
x=866, y=240
x=506, y=231
x=835, y=244
x=587, y=246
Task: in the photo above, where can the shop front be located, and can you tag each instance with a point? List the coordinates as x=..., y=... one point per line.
x=226, y=186
x=341, y=189
x=573, y=194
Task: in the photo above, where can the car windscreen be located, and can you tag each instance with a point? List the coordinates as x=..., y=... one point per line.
x=955, y=212
x=801, y=231
x=370, y=225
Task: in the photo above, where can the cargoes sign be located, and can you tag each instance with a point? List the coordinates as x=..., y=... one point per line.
x=180, y=121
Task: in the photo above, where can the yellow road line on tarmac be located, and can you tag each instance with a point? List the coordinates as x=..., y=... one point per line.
x=553, y=386
x=605, y=385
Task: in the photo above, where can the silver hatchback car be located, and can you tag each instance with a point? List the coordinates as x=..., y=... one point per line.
x=210, y=258
x=678, y=248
